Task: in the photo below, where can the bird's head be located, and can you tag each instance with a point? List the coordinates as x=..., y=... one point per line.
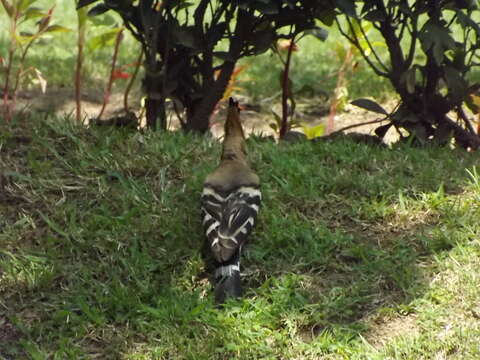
x=234, y=141
x=233, y=126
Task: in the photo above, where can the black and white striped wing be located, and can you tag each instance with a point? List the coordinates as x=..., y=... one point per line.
x=228, y=219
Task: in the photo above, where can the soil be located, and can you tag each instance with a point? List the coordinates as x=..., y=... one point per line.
x=257, y=117
x=9, y=336
x=386, y=329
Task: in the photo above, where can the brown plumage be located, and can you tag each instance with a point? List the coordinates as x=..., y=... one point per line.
x=230, y=201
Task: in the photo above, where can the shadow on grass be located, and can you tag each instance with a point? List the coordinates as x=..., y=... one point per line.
x=101, y=252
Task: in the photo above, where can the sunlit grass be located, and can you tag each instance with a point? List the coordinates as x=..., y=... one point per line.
x=360, y=252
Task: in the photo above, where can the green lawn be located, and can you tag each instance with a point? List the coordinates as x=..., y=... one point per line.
x=360, y=252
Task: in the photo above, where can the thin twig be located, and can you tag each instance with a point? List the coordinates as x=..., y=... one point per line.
x=364, y=34
x=360, y=124
x=355, y=42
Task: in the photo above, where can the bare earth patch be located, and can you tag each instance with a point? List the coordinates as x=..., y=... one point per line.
x=309, y=111
x=385, y=329
x=9, y=336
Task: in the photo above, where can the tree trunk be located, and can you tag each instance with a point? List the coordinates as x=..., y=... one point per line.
x=155, y=113
x=199, y=112
x=154, y=105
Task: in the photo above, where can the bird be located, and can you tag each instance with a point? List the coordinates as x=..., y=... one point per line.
x=230, y=201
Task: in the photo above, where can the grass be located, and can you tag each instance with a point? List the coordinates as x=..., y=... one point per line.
x=360, y=252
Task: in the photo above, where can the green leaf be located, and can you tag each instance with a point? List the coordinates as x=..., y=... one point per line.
x=375, y=15
x=404, y=8
x=105, y=19
x=273, y=126
x=33, y=13
x=198, y=309
x=290, y=3
x=216, y=33
x=267, y=8
x=467, y=22
x=381, y=131
x=347, y=7
x=105, y=39
x=25, y=4
x=98, y=10
x=24, y=39
x=261, y=40
x=57, y=28
x=327, y=17
x=82, y=3
x=320, y=33
x=223, y=55
x=113, y=4
x=184, y=36
x=26, y=34
x=437, y=39
x=369, y=105
x=404, y=115
x=312, y=132
x=277, y=118
x=457, y=85
x=184, y=5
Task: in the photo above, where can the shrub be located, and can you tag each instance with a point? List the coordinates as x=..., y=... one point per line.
x=186, y=44
x=431, y=73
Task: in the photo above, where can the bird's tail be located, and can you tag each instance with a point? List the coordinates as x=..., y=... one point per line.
x=227, y=280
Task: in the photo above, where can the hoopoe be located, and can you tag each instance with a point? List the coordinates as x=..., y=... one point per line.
x=230, y=201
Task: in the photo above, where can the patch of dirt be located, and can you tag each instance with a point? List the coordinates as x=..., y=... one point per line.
x=256, y=117
x=9, y=337
x=61, y=101
x=385, y=329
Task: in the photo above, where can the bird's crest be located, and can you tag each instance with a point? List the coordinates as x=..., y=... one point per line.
x=234, y=141
x=233, y=126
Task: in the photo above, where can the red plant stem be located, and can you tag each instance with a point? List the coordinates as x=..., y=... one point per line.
x=132, y=79
x=286, y=90
x=106, y=94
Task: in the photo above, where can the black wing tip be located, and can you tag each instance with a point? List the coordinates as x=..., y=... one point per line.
x=228, y=287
